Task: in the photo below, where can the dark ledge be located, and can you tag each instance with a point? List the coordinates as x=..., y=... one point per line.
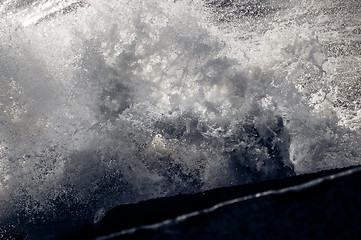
x=153, y=211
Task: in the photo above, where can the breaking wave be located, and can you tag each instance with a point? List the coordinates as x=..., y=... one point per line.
x=111, y=102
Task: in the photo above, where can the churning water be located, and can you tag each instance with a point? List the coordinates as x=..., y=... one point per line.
x=110, y=102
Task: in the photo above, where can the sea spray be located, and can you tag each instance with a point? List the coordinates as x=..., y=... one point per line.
x=105, y=103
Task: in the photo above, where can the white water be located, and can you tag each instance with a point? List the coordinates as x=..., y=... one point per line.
x=109, y=102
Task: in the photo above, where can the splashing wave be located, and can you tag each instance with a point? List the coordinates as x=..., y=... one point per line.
x=110, y=102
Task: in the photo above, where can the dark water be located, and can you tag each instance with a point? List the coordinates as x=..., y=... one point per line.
x=111, y=102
